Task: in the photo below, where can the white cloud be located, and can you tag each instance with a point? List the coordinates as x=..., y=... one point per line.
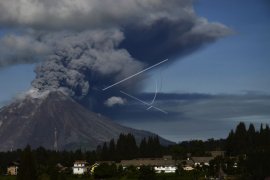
x=112, y=101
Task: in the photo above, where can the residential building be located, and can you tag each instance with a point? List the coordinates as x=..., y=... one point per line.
x=13, y=168
x=165, y=164
x=165, y=169
x=201, y=161
x=80, y=167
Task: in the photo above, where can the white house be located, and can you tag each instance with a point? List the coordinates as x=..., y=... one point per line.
x=80, y=167
x=165, y=169
x=165, y=164
x=201, y=161
x=13, y=168
x=188, y=168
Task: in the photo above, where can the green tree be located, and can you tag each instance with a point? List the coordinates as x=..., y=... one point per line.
x=126, y=147
x=27, y=169
x=251, y=137
x=230, y=143
x=240, y=139
x=105, y=152
x=112, y=155
x=142, y=148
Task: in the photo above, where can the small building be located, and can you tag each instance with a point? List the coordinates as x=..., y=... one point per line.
x=165, y=169
x=201, y=161
x=80, y=167
x=187, y=165
x=165, y=164
x=188, y=168
x=192, y=162
x=12, y=169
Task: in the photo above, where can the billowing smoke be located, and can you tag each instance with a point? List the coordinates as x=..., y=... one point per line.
x=88, y=44
x=78, y=57
x=85, y=14
x=171, y=38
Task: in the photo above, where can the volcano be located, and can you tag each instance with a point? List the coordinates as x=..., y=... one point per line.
x=56, y=121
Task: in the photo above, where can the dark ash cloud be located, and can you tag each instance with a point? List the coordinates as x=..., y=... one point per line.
x=80, y=58
x=88, y=44
x=152, y=29
x=167, y=38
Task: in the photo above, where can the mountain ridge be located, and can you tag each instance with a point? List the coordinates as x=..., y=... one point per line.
x=57, y=120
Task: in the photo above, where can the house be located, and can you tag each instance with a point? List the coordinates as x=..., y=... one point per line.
x=165, y=169
x=187, y=165
x=201, y=161
x=12, y=169
x=165, y=164
x=235, y=165
x=191, y=162
x=188, y=168
x=80, y=167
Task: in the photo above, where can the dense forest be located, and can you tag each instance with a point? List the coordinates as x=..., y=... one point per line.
x=249, y=147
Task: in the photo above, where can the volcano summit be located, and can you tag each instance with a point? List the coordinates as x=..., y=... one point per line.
x=55, y=121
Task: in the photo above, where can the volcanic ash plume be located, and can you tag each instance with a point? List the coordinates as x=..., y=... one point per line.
x=89, y=44
x=78, y=57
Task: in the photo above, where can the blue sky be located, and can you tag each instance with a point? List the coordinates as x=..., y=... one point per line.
x=15, y=80
x=235, y=65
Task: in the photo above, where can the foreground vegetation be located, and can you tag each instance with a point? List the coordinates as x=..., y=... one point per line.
x=249, y=148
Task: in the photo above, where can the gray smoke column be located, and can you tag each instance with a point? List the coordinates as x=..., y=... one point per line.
x=79, y=56
x=84, y=44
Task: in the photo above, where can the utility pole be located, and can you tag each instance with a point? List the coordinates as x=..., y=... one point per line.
x=55, y=146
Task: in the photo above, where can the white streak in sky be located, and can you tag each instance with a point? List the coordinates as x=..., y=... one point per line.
x=135, y=75
x=150, y=106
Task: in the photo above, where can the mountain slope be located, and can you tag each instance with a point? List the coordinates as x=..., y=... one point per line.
x=57, y=121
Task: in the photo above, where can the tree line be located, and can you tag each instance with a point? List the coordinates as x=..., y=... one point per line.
x=39, y=162
x=126, y=148
x=250, y=146
x=243, y=140
x=252, y=149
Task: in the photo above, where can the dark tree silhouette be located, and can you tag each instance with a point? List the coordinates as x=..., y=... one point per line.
x=27, y=169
